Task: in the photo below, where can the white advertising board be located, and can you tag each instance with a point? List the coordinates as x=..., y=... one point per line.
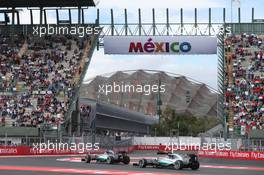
x=164, y=45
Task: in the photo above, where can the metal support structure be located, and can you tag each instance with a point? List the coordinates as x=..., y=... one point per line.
x=209, y=20
x=13, y=16
x=239, y=18
x=6, y=18
x=82, y=16
x=79, y=15
x=98, y=16
x=224, y=15
x=195, y=20
x=231, y=14
x=31, y=16
x=98, y=21
x=13, y=25
x=139, y=22
x=40, y=15
x=18, y=20
x=70, y=16
x=252, y=15
x=126, y=25
x=57, y=16
x=153, y=22
x=221, y=80
x=168, y=21
x=167, y=27
x=45, y=17
x=239, y=15
x=181, y=15
x=112, y=23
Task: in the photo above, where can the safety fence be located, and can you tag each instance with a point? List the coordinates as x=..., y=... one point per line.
x=217, y=154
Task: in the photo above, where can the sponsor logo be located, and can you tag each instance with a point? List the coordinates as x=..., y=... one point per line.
x=8, y=151
x=159, y=47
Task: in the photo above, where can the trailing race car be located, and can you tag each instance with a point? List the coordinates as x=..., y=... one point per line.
x=108, y=157
x=176, y=161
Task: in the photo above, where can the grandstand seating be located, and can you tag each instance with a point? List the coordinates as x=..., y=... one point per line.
x=38, y=77
x=244, y=98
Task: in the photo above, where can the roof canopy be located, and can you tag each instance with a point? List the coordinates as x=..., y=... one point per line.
x=46, y=3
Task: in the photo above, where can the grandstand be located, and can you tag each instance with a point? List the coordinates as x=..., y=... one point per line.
x=40, y=77
x=244, y=97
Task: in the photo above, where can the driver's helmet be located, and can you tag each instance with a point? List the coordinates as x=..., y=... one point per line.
x=110, y=152
x=171, y=156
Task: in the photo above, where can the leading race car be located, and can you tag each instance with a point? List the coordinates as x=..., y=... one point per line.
x=109, y=157
x=176, y=161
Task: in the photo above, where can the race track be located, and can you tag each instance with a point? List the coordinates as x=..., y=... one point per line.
x=73, y=165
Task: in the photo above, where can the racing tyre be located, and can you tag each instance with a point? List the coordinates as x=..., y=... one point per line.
x=195, y=165
x=88, y=159
x=178, y=165
x=142, y=163
x=110, y=160
x=126, y=160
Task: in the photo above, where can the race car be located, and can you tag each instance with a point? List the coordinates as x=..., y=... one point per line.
x=176, y=161
x=109, y=157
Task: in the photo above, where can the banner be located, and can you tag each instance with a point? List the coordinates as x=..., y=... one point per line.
x=163, y=45
x=26, y=150
x=240, y=155
x=224, y=154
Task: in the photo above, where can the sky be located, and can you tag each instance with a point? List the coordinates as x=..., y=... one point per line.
x=199, y=67
x=202, y=68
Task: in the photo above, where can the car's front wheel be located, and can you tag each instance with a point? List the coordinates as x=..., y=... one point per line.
x=110, y=160
x=178, y=165
x=88, y=159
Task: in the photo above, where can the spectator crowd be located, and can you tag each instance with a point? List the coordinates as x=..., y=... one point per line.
x=244, y=96
x=38, y=77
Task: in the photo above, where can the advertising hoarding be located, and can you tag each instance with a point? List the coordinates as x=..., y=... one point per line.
x=163, y=45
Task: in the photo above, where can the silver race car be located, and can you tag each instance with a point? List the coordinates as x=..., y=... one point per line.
x=176, y=161
x=109, y=157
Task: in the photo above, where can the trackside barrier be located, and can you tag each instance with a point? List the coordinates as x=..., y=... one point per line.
x=224, y=154
x=26, y=150
x=166, y=148
x=241, y=155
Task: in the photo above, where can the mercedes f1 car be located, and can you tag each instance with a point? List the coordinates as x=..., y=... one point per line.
x=176, y=161
x=108, y=157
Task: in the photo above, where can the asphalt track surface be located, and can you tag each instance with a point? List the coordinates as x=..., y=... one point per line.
x=72, y=165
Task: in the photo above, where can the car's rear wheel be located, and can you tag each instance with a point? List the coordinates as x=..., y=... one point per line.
x=178, y=165
x=142, y=163
x=195, y=165
x=88, y=159
x=126, y=159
